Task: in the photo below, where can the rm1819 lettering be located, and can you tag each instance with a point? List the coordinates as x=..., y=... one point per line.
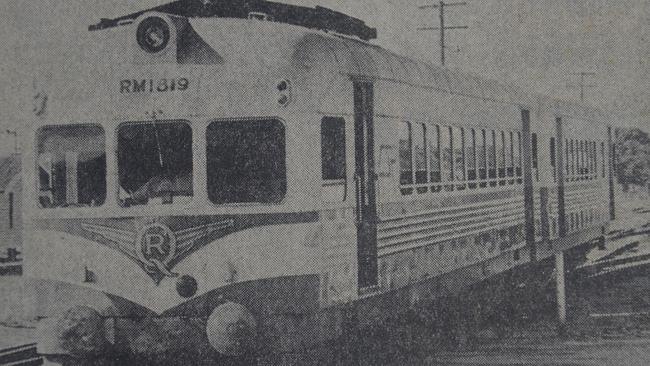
x=128, y=86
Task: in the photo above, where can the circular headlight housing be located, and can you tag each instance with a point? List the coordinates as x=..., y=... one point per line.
x=153, y=34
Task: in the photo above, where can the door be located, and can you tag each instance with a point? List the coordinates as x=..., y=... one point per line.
x=365, y=184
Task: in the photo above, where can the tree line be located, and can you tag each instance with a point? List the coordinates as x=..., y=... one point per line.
x=632, y=158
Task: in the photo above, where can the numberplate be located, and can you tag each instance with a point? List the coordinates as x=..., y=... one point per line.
x=159, y=85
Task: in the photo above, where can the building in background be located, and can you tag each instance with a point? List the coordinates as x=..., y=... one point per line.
x=10, y=203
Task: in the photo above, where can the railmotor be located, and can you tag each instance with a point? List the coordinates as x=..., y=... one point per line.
x=245, y=177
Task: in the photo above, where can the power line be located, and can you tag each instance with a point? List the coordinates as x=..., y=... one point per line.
x=582, y=84
x=441, y=12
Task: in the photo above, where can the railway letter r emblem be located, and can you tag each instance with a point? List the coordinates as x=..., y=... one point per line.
x=156, y=248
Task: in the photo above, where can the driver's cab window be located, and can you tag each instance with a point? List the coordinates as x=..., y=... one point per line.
x=154, y=163
x=71, y=166
x=333, y=159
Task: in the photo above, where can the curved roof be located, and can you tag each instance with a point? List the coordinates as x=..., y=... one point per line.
x=253, y=48
x=349, y=56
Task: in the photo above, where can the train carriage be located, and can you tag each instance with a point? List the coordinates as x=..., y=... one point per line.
x=215, y=171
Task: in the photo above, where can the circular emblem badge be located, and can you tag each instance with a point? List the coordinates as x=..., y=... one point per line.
x=153, y=34
x=156, y=246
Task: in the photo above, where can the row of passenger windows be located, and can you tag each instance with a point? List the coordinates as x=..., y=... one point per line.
x=581, y=160
x=436, y=158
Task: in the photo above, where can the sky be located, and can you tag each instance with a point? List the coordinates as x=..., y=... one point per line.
x=536, y=44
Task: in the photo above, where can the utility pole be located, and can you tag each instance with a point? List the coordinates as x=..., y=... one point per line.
x=15, y=135
x=441, y=10
x=582, y=84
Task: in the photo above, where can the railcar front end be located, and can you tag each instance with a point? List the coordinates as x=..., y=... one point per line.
x=170, y=195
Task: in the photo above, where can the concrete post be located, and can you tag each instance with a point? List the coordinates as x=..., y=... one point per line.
x=560, y=287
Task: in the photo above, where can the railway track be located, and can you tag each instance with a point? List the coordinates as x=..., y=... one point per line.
x=24, y=355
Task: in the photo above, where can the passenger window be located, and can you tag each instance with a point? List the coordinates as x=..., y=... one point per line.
x=594, y=172
x=587, y=159
x=406, y=156
x=11, y=210
x=574, y=159
x=471, y=158
x=578, y=160
x=594, y=152
x=592, y=160
x=459, y=156
x=567, y=160
x=501, y=156
x=71, y=166
x=552, y=149
x=481, y=158
x=535, y=157
x=581, y=159
x=603, y=158
x=420, y=156
x=246, y=161
x=510, y=161
x=586, y=155
x=333, y=160
x=446, y=152
x=434, y=152
x=517, y=152
x=492, y=158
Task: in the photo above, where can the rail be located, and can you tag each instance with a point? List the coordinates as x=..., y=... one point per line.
x=23, y=355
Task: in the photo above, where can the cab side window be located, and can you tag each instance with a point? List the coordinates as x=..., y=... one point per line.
x=333, y=158
x=333, y=148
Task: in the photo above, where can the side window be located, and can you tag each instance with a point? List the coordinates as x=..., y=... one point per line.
x=420, y=155
x=589, y=169
x=552, y=149
x=470, y=156
x=333, y=161
x=405, y=156
x=510, y=157
x=567, y=162
x=578, y=160
x=434, y=152
x=590, y=157
x=501, y=156
x=518, y=170
x=585, y=159
x=446, y=143
x=535, y=156
x=333, y=148
x=592, y=148
x=11, y=210
x=581, y=159
x=574, y=159
x=492, y=158
x=594, y=156
x=603, y=158
x=459, y=156
x=481, y=158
